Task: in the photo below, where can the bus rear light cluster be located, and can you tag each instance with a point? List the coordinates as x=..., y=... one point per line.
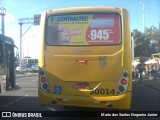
x=43, y=81
x=123, y=83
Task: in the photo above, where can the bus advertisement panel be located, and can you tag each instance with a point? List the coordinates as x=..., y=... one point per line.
x=86, y=29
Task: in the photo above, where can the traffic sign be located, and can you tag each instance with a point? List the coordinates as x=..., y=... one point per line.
x=37, y=18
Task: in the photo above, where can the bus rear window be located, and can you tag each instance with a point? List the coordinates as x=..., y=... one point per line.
x=83, y=29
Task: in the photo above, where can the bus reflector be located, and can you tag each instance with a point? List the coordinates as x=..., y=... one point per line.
x=62, y=99
x=103, y=102
x=59, y=99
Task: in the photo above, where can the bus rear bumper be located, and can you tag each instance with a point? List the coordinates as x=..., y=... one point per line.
x=109, y=102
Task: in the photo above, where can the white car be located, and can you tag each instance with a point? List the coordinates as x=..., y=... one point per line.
x=18, y=69
x=35, y=68
x=29, y=67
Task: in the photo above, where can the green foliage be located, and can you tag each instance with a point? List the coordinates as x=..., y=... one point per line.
x=146, y=43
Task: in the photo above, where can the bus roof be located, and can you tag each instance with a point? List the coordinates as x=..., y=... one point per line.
x=85, y=9
x=6, y=39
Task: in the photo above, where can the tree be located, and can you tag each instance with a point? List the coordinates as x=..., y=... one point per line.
x=141, y=44
x=154, y=35
x=146, y=43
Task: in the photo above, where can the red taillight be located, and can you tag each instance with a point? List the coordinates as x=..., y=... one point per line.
x=43, y=79
x=123, y=81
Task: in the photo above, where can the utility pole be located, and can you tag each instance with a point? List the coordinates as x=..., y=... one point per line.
x=20, y=46
x=35, y=21
x=21, y=22
x=3, y=13
x=143, y=13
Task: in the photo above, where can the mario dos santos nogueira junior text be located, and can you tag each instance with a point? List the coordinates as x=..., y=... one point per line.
x=129, y=114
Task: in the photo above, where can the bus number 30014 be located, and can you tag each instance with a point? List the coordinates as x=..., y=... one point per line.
x=103, y=91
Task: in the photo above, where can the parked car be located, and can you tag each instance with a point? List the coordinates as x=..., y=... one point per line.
x=18, y=69
x=29, y=67
x=35, y=68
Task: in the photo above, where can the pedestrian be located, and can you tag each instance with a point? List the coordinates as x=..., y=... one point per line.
x=159, y=72
x=140, y=70
x=147, y=71
x=152, y=72
x=156, y=73
x=150, y=69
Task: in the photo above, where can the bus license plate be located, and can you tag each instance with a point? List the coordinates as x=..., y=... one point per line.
x=81, y=86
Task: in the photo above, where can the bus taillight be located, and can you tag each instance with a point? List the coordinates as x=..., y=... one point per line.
x=125, y=74
x=123, y=83
x=45, y=86
x=43, y=81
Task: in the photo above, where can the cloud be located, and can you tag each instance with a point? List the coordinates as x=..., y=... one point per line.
x=8, y=18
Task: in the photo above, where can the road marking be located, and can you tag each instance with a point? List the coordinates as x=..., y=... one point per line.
x=15, y=101
x=50, y=108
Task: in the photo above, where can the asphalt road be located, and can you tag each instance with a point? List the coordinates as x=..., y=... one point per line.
x=145, y=98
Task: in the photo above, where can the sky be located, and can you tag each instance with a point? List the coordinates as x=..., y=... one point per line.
x=16, y=9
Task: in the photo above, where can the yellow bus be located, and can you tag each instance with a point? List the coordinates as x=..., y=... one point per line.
x=86, y=58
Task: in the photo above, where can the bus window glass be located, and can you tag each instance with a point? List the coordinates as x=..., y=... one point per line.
x=83, y=29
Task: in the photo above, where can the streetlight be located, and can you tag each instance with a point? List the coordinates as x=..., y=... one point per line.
x=2, y=13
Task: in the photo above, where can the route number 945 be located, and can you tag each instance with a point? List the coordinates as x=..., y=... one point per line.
x=99, y=34
x=103, y=91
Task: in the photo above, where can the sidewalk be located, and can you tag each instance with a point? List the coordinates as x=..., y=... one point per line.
x=27, y=74
x=150, y=83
